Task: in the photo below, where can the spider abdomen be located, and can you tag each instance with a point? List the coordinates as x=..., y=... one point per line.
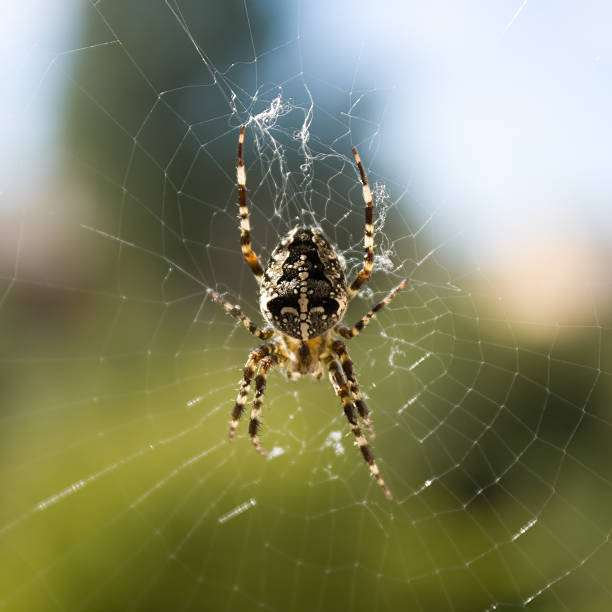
x=303, y=291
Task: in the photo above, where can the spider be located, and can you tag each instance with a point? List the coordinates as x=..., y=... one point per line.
x=303, y=296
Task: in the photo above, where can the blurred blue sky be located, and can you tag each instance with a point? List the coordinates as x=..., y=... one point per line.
x=495, y=114
x=35, y=36
x=502, y=108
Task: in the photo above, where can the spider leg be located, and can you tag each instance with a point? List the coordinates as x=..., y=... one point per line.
x=368, y=239
x=349, y=372
x=250, y=368
x=260, y=386
x=245, y=223
x=339, y=384
x=235, y=311
x=351, y=332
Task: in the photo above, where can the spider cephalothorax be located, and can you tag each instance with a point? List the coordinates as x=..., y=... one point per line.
x=303, y=292
x=303, y=296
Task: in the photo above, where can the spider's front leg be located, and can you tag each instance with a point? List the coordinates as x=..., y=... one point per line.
x=338, y=381
x=260, y=386
x=250, y=368
x=349, y=371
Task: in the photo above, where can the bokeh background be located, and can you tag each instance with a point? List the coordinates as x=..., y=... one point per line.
x=485, y=130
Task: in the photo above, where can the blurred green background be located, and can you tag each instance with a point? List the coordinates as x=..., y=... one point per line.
x=489, y=377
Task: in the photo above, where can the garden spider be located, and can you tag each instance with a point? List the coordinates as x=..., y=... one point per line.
x=303, y=296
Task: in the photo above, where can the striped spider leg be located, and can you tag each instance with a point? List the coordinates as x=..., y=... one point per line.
x=256, y=356
x=251, y=366
x=349, y=372
x=339, y=383
x=260, y=386
x=353, y=290
x=368, y=238
x=245, y=222
x=351, y=332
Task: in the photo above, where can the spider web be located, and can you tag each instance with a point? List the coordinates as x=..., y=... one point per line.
x=488, y=377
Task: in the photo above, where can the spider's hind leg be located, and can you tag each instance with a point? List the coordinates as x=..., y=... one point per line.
x=245, y=222
x=368, y=236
